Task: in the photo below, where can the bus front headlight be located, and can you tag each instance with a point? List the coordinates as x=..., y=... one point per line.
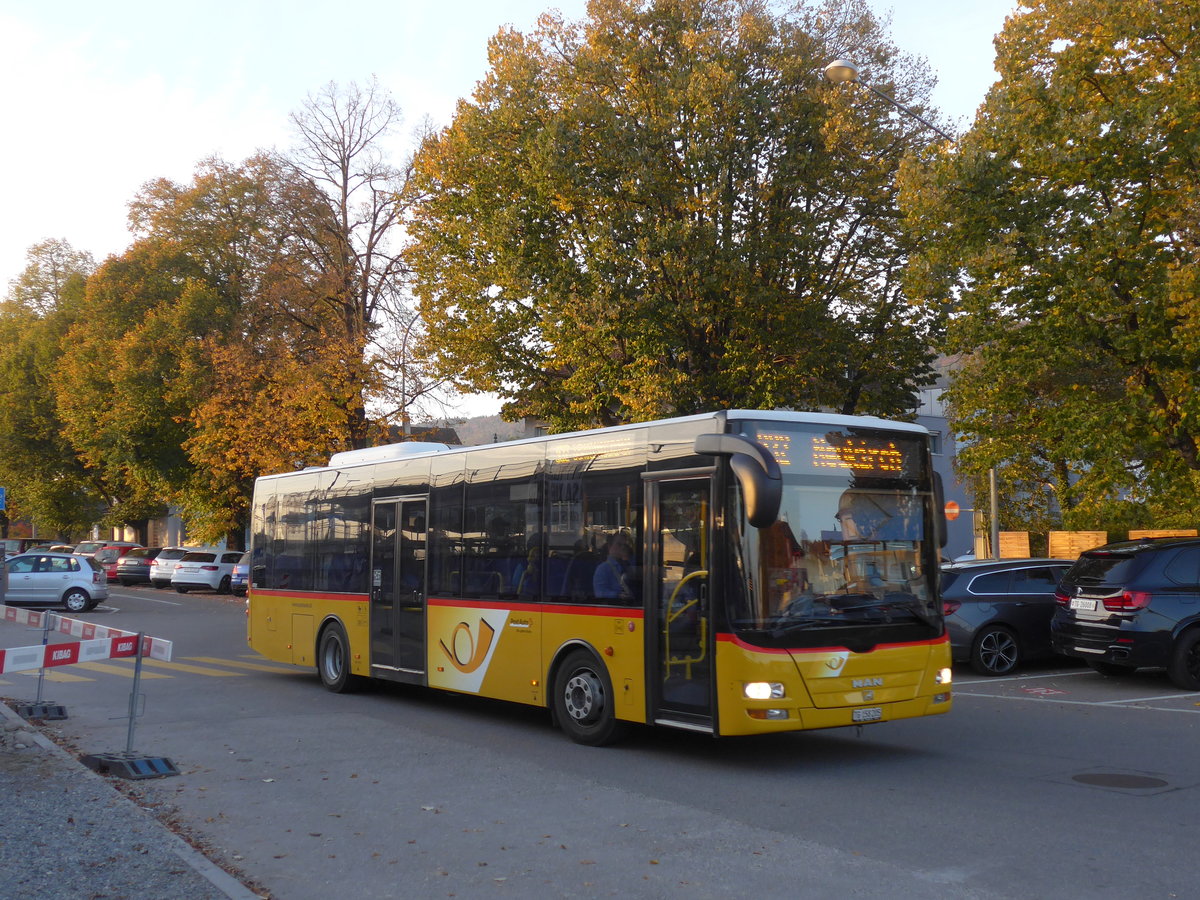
x=762, y=690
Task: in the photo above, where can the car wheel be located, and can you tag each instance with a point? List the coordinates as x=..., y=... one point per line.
x=1110, y=670
x=584, y=705
x=76, y=600
x=996, y=651
x=179, y=588
x=333, y=661
x=1184, y=669
x=125, y=582
x=223, y=587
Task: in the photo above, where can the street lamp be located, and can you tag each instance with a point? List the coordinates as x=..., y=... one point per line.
x=841, y=71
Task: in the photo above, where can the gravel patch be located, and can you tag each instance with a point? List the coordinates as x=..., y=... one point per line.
x=67, y=833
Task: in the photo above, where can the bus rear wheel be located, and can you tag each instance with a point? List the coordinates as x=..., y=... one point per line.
x=584, y=701
x=333, y=661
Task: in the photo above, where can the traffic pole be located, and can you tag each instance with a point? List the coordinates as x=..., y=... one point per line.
x=133, y=695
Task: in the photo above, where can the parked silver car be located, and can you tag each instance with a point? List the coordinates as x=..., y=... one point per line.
x=162, y=567
x=77, y=583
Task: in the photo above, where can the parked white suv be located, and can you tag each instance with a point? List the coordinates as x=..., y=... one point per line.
x=162, y=567
x=50, y=579
x=211, y=569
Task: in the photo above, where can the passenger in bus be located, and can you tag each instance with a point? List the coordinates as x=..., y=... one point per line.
x=527, y=577
x=610, y=580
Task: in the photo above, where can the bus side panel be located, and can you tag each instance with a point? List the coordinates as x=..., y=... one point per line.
x=898, y=681
x=504, y=651
x=605, y=630
x=491, y=649
x=284, y=626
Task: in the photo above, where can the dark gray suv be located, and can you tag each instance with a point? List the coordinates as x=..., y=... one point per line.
x=998, y=611
x=1131, y=604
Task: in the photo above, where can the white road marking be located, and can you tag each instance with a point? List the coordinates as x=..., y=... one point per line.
x=1026, y=677
x=1157, y=697
x=1041, y=698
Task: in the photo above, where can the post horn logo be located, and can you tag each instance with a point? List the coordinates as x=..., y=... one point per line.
x=468, y=654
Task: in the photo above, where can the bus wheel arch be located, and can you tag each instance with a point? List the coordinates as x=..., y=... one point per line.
x=582, y=700
x=333, y=659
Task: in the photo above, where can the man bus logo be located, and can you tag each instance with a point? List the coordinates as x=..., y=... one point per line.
x=468, y=654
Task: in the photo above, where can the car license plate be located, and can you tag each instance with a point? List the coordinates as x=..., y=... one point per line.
x=1080, y=603
x=867, y=714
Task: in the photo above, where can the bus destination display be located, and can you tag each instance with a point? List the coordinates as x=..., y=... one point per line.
x=836, y=452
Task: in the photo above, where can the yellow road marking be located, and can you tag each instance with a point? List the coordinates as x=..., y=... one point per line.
x=61, y=677
x=195, y=670
x=240, y=665
x=111, y=669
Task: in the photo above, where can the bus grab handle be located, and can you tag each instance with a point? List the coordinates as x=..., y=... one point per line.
x=756, y=470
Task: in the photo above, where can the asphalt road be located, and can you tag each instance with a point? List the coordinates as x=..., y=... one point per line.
x=1054, y=783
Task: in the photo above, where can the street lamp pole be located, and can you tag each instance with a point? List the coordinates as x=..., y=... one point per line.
x=841, y=71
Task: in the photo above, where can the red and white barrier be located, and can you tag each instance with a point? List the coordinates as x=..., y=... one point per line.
x=97, y=642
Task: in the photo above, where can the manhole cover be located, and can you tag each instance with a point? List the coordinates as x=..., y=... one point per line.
x=1120, y=780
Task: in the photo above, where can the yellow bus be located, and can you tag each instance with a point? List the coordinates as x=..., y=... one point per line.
x=731, y=573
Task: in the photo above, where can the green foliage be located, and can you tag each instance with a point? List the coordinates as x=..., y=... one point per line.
x=1061, y=235
x=662, y=209
x=46, y=482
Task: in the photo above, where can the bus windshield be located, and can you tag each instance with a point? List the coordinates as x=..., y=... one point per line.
x=854, y=542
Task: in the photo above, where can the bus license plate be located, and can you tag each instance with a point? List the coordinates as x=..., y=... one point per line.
x=1078, y=603
x=868, y=714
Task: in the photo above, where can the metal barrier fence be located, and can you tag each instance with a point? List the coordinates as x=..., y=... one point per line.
x=95, y=642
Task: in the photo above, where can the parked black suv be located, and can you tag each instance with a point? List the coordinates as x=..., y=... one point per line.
x=1131, y=604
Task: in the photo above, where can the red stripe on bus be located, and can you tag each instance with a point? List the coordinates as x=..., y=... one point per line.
x=734, y=639
x=621, y=612
x=309, y=595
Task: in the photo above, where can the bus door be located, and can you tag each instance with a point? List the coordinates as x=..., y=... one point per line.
x=678, y=608
x=398, y=588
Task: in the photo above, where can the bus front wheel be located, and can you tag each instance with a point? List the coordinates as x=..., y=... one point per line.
x=584, y=704
x=333, y=661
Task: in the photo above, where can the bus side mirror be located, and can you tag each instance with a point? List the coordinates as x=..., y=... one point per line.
x=756, y=470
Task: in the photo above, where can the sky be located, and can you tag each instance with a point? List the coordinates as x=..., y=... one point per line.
x=98, y=98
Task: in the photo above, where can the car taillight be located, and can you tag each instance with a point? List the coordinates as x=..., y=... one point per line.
x=949, y=607
x=1061, y=597
x=179, y=565
x=1127, y=600
x=210, y=568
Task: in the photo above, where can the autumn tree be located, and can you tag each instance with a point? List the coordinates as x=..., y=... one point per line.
x=123, y=390
x=249, y=327
x=1061, y=236
x=357, y=294
x=662, y=209
x=46, y=481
